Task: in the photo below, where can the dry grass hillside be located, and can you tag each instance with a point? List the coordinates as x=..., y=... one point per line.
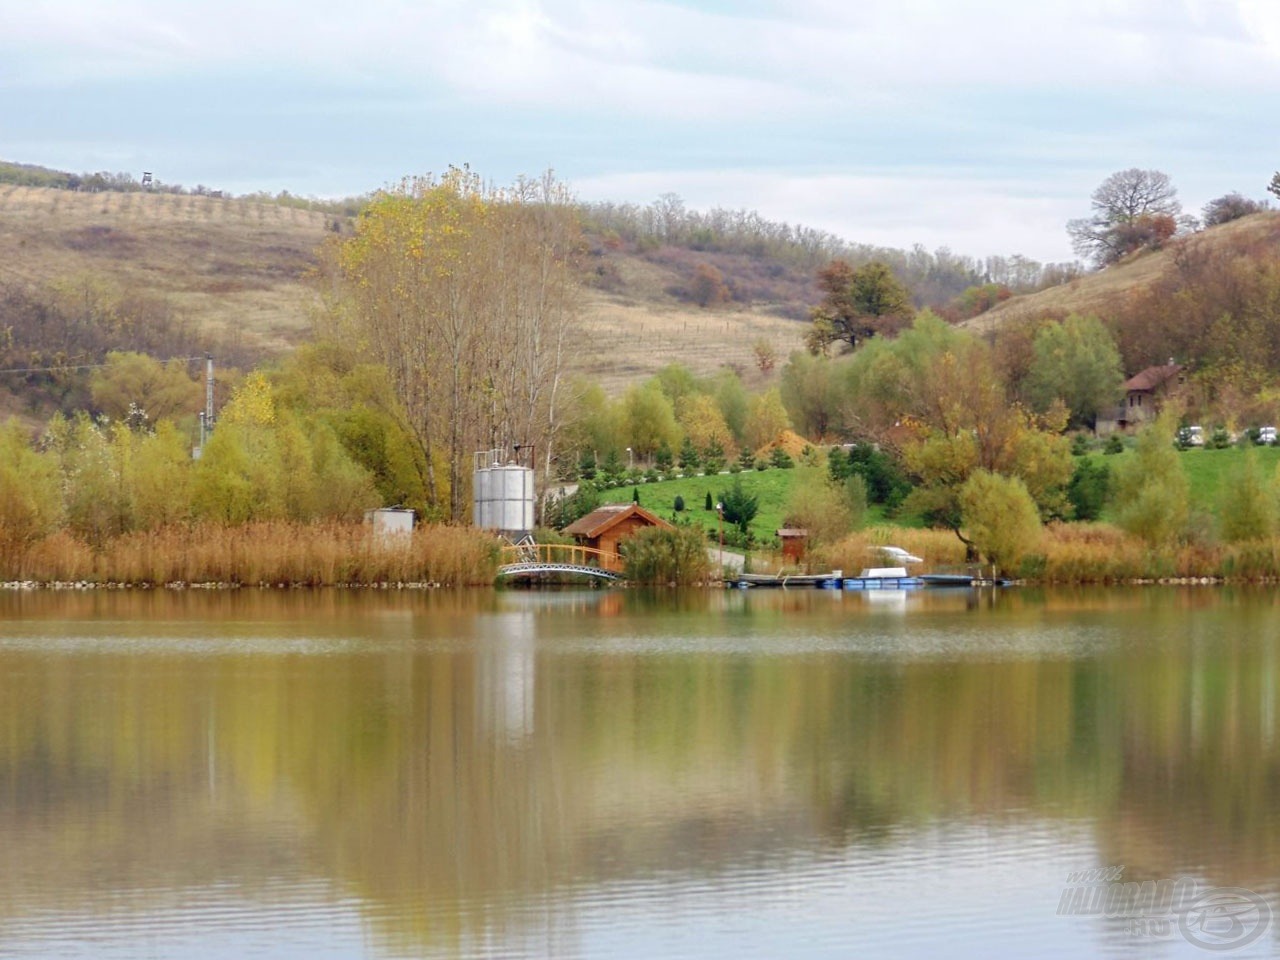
x=238, y=266
x=227, y=265
x=1099, y=293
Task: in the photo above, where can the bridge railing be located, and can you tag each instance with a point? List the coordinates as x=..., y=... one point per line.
x=570, y=553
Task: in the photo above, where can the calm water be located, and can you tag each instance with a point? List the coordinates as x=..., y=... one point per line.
x=618, y=774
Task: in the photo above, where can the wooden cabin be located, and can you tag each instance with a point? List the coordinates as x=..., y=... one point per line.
x=605, y=529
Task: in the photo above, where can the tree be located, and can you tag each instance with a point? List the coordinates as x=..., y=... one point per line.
x=1131, y=209
x=1000, y=517
x=1247, y=504
x=767, y=419
x=1088, y=489
x=964, y=422
x=738, y=506
x=857, y=305
x=1231, y=206
x=468, y=296
x=688, y=459
x=1077, y=362
x=1150, y=490
x=1274, y=186
x=30, y=492
x=820, y=506
x=766, y=356
x=708, y=288
x=162, y=390
x=650, y=420
x=704, y=425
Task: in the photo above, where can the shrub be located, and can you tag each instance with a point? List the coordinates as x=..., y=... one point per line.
x=678, y=506
x=1114, y=444
x=1087, y=491
x=659, y=555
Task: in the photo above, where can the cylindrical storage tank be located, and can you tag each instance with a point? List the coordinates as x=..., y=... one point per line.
x=513, y=497
x=504, y=498
x=480, y=487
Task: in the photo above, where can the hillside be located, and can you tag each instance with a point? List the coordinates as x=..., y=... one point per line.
x=236, y=268
x=1104, y=292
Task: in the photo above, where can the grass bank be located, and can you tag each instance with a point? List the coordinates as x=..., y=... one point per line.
x=269, y=553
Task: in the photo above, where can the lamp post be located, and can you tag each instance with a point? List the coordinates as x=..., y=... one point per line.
x=720, y=524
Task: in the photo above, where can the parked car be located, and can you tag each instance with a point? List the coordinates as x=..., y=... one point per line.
x=1267, y=435
x=1191, y=437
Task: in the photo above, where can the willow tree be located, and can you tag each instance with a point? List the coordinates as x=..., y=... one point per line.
x=466, y=294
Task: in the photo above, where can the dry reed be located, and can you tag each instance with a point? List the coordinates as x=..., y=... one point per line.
x=273, y=552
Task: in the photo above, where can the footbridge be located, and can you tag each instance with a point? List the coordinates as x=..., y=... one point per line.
x=529, y=559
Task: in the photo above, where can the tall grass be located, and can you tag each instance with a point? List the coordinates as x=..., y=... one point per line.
x=269, y=552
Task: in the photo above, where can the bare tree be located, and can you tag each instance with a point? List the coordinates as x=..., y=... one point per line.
x=1131, y=209
x=1231, y=206
x=467, y=295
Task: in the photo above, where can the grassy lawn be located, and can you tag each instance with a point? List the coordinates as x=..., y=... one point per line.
x=771, y=487
x=1208, y=472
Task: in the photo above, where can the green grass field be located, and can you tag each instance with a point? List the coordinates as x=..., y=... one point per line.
x=771, y=486
x=1208, y=472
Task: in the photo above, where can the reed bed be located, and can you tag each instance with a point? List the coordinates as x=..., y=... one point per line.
x=276, y=553
x=937, y=548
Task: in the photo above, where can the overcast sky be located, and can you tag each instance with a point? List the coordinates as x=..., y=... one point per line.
x=980, y=125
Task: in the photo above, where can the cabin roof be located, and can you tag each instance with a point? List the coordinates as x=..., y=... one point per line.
x=598, y=521
x=1152, y=377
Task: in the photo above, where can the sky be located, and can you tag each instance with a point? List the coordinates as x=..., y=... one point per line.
x=977, y=125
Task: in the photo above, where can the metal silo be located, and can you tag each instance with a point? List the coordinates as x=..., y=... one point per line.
x=503, y=494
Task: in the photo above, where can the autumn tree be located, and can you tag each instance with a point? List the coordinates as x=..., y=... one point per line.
x=30, y=491
x=766, y=357
x=650, y=420
x=708, y=288
x=820, y=505
x=767, y=419
x=162, y=390
x=1131, y=209
x=857, y=304
x=1150, y=492
x=704, y=424
x=963, y=423
x=1000, y=518
x=467, y=294
x=1076, y=361
x=1247, y=503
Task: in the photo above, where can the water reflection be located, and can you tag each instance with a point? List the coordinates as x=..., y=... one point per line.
x=484, y=772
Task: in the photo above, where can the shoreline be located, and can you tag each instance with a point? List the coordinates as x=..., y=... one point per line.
x=431, y=585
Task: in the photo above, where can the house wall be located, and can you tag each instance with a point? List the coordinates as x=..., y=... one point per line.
x=611, y=540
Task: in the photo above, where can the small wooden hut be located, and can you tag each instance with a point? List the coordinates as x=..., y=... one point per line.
x=605, y=529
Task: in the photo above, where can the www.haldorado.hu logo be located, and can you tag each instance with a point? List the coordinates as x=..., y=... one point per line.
x=1213, y=918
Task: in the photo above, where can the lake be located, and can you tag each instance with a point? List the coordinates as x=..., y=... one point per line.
x=621, y=773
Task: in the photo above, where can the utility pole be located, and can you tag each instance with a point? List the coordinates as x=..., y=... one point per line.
x=208, y=391
x=720, y=516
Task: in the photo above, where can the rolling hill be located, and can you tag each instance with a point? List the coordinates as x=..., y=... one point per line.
x=1105, y=291
x=238, y=268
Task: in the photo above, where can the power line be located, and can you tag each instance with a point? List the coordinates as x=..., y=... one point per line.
x=87, y=366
